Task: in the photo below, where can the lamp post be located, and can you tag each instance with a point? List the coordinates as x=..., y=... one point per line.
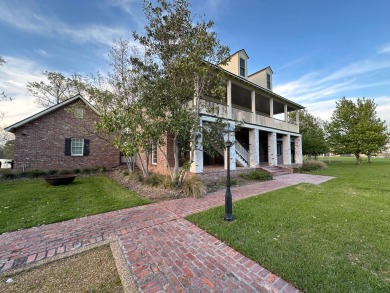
x=228, y=137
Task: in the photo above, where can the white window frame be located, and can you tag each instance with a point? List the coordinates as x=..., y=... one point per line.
x=154, y=154
x=240, y=67
x=79, y=113
x=269, y=82
x=75, y=143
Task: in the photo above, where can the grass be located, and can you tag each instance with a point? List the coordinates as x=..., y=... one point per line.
x=29, y=203
x=334, y=237
x=78, y=273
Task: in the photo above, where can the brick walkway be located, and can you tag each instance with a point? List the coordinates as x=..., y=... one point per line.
x=165, y=252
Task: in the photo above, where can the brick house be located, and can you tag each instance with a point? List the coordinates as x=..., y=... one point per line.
x=266, y=138
x=61, y=137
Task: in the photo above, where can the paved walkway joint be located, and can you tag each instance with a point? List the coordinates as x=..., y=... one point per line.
x=164, y=252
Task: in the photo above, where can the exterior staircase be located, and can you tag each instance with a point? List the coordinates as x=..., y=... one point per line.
x=277, y=170
x=242, y=155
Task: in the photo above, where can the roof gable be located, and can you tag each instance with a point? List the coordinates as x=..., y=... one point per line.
x=241, y=51
x=265, y=68
x=16, y=125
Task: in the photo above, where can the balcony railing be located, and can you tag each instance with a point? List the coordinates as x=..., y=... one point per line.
x=219, y=110
x=212, y=108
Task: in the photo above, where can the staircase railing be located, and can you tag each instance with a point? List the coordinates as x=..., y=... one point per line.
x=242, y=155
x=242, y=152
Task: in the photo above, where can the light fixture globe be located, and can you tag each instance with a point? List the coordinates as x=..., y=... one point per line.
x=228, y=135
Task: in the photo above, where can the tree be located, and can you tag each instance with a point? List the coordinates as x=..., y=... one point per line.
x=7, y=150
x=355, y=128
x=58, y=88
x=313, y=134
x=154, y=93
x=183, y=54
x=123, y=118
x=3, y=96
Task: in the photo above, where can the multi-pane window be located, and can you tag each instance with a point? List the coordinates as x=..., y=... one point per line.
x=242, y=67
x=79, y=113
x=154, y=154
x=77, y=147
x=268, y=81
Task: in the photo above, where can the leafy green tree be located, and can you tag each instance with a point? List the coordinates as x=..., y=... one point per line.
x=58, y=88
x=7, y=150
x=313, y=134
x=183, y=54
x=355, y=128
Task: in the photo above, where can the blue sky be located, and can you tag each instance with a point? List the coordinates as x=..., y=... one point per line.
x=319, y=51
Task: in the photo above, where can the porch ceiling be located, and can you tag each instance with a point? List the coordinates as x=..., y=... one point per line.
x=241, y=96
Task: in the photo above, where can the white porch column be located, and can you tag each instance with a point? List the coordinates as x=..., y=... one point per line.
x=297, y=118
x=197, y=153
x=232, y=157
x=254, y=148
x=286, y=149
x=253, y=98
x=285, y=115
x=272, y=149
x=298, y=150
x=229, y=99
x=271, y=107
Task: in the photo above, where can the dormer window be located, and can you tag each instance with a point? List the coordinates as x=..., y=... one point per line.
x=242, y=67
x=268, y=81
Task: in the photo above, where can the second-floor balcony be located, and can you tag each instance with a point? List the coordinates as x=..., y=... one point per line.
x=238, y=113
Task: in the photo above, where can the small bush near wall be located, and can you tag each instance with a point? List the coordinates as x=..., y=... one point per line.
x=194, y=187
x=154, y=180
x=312, y=165
x=259, y=175
x=7, y=174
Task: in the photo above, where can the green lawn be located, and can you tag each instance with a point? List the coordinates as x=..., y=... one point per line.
x=334, y=237
x=28, y=203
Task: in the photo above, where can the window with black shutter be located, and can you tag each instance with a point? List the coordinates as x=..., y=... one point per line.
x=76, y=147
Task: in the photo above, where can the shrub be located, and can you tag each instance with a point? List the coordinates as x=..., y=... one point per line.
x=65, y=172
x=8, y=174
x=194, y=187
x=167, y=183
x=52, y=172
x=76, y=171
x=233, y=182
x=87, y=170
x=35, y=173
x=313, y=165
x=259, y=175
x=153, y=180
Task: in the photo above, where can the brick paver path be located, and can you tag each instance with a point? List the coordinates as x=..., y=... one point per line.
x=165, y=252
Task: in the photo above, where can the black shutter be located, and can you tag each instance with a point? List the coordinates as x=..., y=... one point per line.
x=86, y=147
x=68, y=146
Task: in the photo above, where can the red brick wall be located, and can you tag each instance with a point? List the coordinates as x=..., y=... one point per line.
x=40, y=144
x=161, y=167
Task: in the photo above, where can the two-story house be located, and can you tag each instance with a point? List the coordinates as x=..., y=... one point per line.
x=262, y=139
x=52, y=139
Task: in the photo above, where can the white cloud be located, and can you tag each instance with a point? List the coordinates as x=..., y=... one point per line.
x=291, y=64
x=14, y=76
x=132, y=8
x=315, y=87
x=26, y=19
x=41, y=52
x=385, y=49
x=318, y=92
